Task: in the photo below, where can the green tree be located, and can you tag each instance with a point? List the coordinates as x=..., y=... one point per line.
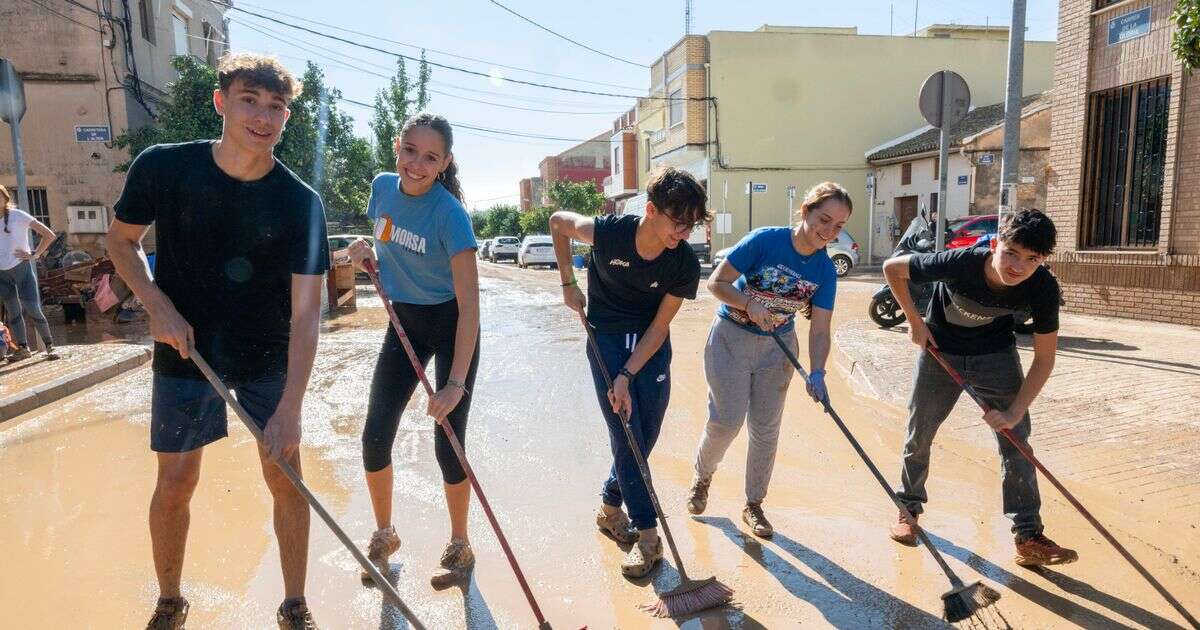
x=479, y=223
x=1186, y=40
x=187, y=115
x=393, y=106
x=503, y=220
x=581, y=197
x=318, y=143
x=536, y=221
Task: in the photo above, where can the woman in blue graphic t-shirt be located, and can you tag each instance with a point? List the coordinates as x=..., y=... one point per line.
x=425, y=253
x=771, y=274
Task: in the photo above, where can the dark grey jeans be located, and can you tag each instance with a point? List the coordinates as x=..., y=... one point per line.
x=19, y=292
x=997, y=377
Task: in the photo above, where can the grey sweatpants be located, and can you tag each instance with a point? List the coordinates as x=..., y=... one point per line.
x=748, y=377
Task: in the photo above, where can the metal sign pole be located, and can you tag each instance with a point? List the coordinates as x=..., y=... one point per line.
x=12, y=109
x=943, y=172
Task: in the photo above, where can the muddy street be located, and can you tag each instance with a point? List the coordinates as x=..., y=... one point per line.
x=76, y=478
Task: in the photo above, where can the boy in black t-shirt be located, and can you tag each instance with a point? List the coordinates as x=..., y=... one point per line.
x=970, y=320
x=642, y=269
x=241, y=251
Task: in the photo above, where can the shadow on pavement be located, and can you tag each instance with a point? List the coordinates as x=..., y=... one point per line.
x=850, y=603
x=1061, y=606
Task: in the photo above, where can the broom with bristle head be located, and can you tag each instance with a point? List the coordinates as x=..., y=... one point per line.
x=691, y=595
x=962, y=601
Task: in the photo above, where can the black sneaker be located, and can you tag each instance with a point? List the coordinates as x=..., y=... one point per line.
x=753, y=516
x=295, y=616
x=20, y=355
x=51, y=355
x=169, y=614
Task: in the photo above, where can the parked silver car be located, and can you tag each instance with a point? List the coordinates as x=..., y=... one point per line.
x=843, y=251
x=504, y=247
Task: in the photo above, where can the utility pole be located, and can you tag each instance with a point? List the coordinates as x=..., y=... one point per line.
x=1010, y=162
x=916, y=10
x=687, y=17
x=892, y=19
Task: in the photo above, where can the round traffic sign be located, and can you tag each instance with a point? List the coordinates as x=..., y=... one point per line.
x=945, y=98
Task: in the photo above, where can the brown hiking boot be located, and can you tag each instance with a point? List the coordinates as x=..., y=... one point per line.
x=617, y=527
x=457, y=562
x=384, y=542
x=641, y=559
x=295, y=616
x=20, y=355
x=698, y=495
x=1038, y=550
x=902, y=531
x=169, y=614
x=753, y=516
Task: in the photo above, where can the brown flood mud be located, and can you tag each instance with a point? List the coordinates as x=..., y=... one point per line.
x=76, y=477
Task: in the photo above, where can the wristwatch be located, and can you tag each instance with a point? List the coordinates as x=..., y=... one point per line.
x=626, y=373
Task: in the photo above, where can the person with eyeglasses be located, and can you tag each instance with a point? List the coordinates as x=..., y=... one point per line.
x=642, y=270
x=769, y=276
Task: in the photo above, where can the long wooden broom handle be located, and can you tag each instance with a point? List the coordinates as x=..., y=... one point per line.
x=457, y=447
x=386, y=587
x=1025, y=450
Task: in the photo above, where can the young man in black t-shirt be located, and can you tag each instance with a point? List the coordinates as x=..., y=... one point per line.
x=642, y=269
x=241, y=251
x=970, y=320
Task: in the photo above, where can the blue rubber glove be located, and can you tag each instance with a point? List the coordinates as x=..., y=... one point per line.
x=816, y=386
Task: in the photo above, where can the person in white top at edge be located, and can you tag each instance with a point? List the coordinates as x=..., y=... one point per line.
x=18, y=276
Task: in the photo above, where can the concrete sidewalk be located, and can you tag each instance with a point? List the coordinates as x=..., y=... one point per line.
x=1116, y=421
x=34, y=382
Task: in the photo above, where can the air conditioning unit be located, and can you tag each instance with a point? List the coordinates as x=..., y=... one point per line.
x=87, y=219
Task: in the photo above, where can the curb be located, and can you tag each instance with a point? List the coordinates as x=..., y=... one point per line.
x=46, y=393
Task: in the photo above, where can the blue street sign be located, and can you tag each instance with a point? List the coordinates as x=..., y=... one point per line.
x=93, y=133
x=963, y=179
x=1129, y=26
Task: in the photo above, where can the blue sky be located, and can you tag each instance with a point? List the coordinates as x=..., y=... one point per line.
x=491, y=164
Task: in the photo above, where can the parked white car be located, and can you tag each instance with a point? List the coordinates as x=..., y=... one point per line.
x=536, y=249
x=504, y=247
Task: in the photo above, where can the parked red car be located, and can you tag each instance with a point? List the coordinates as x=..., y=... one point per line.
x=964, y=231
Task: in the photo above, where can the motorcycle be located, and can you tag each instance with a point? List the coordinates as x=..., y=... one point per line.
x=918, y=239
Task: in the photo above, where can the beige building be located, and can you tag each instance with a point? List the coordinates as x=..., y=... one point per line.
x=793, y=106
x=906, y=169
x=89, y=76
x=1125, y=163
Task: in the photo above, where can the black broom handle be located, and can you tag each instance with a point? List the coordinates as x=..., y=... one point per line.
x=954, y=579
x=637, y=453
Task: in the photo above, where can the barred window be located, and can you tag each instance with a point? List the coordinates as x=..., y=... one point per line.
x=1125, y=158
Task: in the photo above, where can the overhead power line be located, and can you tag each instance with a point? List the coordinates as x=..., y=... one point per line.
x=434, y=50
x=63, y=16
x=444, y=66
x=506, y=132
x=275, y=35
x=564, y=37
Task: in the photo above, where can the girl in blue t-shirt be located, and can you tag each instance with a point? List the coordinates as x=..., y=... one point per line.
x=425, y=253
x=771, y=274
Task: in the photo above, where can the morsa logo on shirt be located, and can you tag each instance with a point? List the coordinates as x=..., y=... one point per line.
x=617, y=262
x=386, y=231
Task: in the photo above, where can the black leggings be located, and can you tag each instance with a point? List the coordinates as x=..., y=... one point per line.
x=430, y=329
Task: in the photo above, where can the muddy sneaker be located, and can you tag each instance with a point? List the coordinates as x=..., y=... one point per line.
x=617, y=527
x=51, y=355
x=698, y=495
x=169, y=614
x=641, y=559
x=384, y=542
x=753, y=516
x=903, y=532
x=294, y=615
x=1038, y=550
x=457, y=562
x=20, y=355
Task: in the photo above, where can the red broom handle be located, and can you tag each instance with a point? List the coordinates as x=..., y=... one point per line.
x=454, y=444
x=1025, y=450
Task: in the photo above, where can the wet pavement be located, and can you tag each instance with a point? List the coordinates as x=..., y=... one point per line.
x=75, y=481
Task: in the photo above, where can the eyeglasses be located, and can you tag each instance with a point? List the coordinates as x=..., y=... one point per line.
x=683, y=226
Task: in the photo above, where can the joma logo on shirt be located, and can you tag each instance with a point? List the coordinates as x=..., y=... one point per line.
x=617, y=262
x=385, y=231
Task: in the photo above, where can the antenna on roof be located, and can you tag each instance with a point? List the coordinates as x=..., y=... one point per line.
x=687, y=17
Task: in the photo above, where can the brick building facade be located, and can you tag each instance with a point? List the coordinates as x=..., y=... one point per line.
x=1124, y=186
x=587, y=161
